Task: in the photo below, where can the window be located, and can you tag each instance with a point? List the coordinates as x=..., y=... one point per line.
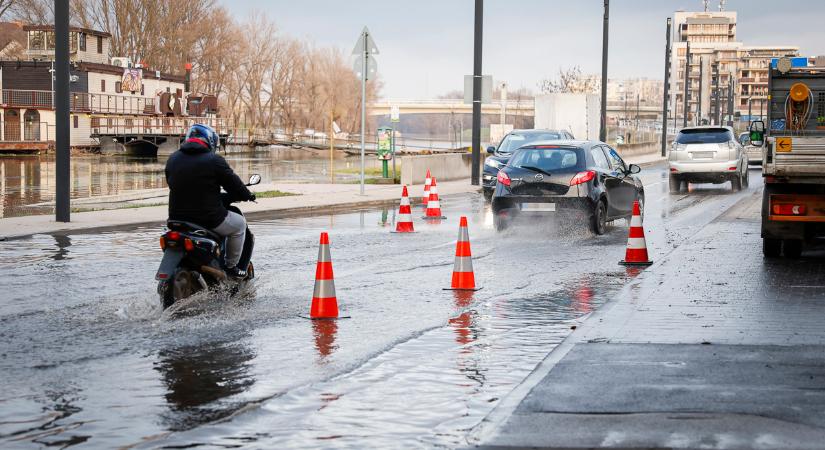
x=50, y=44
x=74, y=119
x=615, y=160
x=102, y=85
x=82, y=40
x=511, y=142
x=599, y=158
x=95, y=122
x=36, y=40
x=100, y=44
x=704, y=136
x=118, y=87
x=545, y=159
x=130, y=123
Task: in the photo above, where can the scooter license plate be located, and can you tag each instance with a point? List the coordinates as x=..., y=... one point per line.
x=538, y=207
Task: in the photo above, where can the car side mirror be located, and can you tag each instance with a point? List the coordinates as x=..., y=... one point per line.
x=254, y=179
x=491, y=149
x=633, y=169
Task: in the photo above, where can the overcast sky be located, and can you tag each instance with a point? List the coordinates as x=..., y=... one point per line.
x=426, y=46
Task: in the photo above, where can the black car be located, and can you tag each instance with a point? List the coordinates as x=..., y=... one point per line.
x=583, y=180
x=510, y=143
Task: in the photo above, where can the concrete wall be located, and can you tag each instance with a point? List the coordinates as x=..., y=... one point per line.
x=444, y=167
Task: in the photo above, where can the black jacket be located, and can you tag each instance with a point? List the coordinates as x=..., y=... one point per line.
x=195, y=176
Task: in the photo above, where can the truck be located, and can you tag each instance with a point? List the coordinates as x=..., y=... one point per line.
x=793, y=160
x=580, y=114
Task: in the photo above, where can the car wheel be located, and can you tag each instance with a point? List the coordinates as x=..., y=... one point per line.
x=500, y=222
x=675, y=184
x=746, y=181
x=736, y=184
x=771, y=248
x=598, y=223
x=792, y=248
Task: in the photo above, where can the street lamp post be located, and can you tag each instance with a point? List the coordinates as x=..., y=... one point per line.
x=476, y=158
x=63, y=154
x=603, y=120
x=667, y=89
x=685, y=98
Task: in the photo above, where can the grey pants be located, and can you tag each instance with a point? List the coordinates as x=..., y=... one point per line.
x=233, y=228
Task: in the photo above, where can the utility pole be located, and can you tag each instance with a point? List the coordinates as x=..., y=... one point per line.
x=477, y=41
x=685, y=98
x=63, y=158
x=638, y=101
x=716, y=119
x=731, y=96
x=699, y=104
x=667, y=88
x=603, y=120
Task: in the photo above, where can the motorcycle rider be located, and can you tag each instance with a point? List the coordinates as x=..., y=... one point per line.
x=195, y=175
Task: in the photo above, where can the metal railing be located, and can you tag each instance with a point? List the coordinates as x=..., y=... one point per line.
x=166, y=126
x=27, y=131
x=80, y=102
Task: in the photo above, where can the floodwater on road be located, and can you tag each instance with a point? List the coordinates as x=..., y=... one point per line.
x=87, y=357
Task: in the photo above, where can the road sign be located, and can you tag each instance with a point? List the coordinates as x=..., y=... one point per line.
x=784, y=144
x=358, y=66
x=395, y=114
x=371, y=48
x=486, y=89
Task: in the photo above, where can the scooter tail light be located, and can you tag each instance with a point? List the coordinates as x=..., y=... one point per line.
x=503, y=178
x=582, y=177
x=173, y=235
x=163, y=242
x=188, y=245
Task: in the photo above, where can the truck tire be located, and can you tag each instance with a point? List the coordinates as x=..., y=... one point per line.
x=792, y=248
x=771, y=248
x=675, y=184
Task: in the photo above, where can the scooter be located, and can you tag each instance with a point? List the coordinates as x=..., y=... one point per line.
x=193, y=258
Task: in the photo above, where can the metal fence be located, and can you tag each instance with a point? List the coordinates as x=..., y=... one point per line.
x=167, y=126
x=80, y=102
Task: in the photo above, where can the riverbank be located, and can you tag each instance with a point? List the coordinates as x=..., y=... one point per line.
x=686, y=357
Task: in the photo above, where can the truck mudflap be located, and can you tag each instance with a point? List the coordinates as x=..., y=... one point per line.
x=171, y=258
x=796, y=208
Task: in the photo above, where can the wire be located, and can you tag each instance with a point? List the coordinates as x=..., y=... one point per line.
x=797, y=114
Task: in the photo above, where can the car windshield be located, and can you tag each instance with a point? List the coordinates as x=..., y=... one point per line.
x=545, y=159
x=704, y=136
x=512, y=142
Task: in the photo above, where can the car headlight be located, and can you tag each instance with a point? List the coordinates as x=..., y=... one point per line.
x=492, y=163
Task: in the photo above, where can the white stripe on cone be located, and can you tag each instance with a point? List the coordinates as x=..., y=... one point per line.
x=636, y=221
x=636, y=243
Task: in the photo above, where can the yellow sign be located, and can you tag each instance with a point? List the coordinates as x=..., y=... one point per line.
x=784, y=144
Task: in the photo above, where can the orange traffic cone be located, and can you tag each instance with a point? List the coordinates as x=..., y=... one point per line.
x=636, y=254
x=433, y=205
x=324, y=303
x=428, y=181
x=463, y=276
x=405, y=223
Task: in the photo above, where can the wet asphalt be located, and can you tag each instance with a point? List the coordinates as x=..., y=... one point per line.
x=89, y=360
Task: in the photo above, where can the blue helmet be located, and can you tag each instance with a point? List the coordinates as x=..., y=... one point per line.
x=206, y=134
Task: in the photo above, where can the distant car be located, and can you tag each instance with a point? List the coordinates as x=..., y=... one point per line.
x=754, y=152
x=585, y=180
x=707, y=154
x=511, y=142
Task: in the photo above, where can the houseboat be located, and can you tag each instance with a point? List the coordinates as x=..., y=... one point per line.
x=117, y=105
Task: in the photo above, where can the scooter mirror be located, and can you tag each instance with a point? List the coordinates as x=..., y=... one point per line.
x=254, y=179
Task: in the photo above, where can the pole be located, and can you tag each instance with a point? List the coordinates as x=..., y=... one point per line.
x=62, y=161
x=392, y=147
x=603, y=119
x=716, y=107
x=699, y=100
x=479, y=22
x=638, y=101
x=750, y=110
x=331, y=146
x=685, y=99
x=666, y=93
x=364, y=105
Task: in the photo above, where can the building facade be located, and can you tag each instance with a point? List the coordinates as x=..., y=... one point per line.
x=723, y=66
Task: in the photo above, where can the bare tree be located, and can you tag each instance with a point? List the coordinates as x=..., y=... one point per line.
x=570, y=81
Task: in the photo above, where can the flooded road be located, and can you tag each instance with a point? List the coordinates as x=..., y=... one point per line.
x=87, y=357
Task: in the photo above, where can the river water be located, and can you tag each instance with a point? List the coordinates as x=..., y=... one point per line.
x=27, y=183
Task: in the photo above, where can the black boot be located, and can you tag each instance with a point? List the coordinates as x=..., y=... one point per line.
x=236, y=273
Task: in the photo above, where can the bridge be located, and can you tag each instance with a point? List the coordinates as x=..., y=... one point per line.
x=513, y=107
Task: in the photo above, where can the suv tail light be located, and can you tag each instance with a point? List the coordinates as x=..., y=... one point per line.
x=582, y=177
x=503, y=178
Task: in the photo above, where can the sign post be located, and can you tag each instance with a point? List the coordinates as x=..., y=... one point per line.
x=62, y=143
x=395, y=117
x=364, y=65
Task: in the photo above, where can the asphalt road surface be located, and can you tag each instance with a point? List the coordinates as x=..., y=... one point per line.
x=87, y=357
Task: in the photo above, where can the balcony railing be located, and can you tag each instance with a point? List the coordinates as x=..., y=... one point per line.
x=80, y=102
x=167, y=126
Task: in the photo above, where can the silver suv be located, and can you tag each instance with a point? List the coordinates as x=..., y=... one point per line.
x=707, y=154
